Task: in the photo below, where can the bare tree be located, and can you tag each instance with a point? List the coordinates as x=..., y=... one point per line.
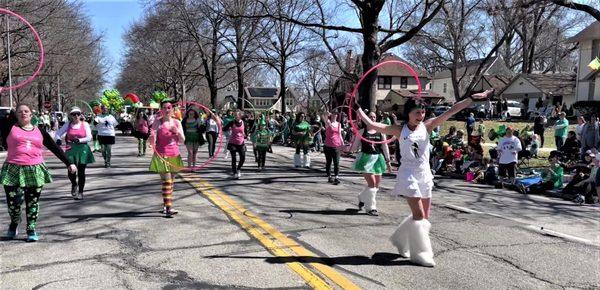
x=382, y=27
x=285, y=41
x=241, y=36
x=75, y=62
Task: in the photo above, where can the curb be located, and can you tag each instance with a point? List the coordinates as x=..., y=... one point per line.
x=533, y=228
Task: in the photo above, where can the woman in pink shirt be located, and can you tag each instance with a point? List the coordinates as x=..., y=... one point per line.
x=333, y=143
x=142, y=132
x=165, y=137
x=24, y=172
x=236, y=143
x=77, y=134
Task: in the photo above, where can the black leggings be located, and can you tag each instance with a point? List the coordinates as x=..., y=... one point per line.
x=303, y=147
x=262, y=156
x=14, y=200
x=80, y=174
x=541, y=188
x=212, y=142
x=241, y=150
x=332, y=155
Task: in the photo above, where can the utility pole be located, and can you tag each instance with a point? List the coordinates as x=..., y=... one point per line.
x=10, y=94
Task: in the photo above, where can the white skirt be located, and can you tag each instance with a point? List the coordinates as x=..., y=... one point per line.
x=413, y=182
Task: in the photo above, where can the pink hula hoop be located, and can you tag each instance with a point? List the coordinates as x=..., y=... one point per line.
x=40, y=45
x=352, y=96
x=217, y=151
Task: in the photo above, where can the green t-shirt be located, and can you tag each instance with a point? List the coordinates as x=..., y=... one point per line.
x=562, y=128
x=556, y=175
x=261, y=138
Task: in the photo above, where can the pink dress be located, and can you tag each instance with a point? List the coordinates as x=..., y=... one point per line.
x=167, y=142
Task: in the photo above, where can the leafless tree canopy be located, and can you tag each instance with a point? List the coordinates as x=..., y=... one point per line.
x=75, y=63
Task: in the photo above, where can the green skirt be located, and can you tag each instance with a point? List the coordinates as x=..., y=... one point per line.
x=80, y=154
x=25, y=175
x=194, y=138
x=370, y=163
x=166, y=164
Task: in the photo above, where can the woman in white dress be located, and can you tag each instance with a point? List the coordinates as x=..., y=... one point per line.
x=414, y=179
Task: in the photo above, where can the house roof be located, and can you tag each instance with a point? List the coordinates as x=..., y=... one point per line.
x=497, y=82
x=263, y=92
x=550, y=84
x=398, y=70
x=426, y=94
x=470, y=67
x=590, y=32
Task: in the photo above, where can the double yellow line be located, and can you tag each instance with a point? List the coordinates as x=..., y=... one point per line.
x=316, y=274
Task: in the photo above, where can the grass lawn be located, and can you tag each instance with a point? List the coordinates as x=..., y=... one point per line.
x=549, y=143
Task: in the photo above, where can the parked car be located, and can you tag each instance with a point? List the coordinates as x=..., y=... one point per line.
x=438, y=110
x=4, y=111
x=514, y=109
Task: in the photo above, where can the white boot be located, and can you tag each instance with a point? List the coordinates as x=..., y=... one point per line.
x=307, y=160
x=362, y=198
x=400, y=238
x=370, y=202
x=419, y=243
x=297, y=160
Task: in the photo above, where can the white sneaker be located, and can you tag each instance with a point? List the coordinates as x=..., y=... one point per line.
x=239, y=174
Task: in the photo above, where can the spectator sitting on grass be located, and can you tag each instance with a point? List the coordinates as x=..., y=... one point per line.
x=450, y=136
x=458, y=141
x=572, y=147
x=584, y=180
x=552, y=178
x=479, y=172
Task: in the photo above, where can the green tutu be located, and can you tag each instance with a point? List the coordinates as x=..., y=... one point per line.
x=166, y=164
x=80, y=154
x=370, y=163
x=193, y=138
x=25, y=175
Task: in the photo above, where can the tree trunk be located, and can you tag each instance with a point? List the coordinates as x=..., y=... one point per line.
x=282, y=85
x=240, y=84
x=370, y=58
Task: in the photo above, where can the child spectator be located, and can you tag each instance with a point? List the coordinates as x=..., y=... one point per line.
x=552, y=178
x=535, y=145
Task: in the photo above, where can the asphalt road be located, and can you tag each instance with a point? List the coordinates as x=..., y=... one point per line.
x=287, y=228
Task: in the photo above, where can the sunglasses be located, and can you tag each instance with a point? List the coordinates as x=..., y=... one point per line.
x=75, y=114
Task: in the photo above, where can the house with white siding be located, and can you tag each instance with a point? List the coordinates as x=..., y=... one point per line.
x=588, y=80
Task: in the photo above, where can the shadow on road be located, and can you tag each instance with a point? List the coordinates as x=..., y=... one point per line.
x=379, y=259
x=348, y=211
x=124, y=214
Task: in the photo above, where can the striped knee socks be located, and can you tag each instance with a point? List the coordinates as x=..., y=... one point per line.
x=167, y=193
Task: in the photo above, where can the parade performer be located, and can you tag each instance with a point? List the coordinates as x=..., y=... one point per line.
x=165, y=137
x=414, y=179
x=95, y=143
x=193, y=128
x=77, y=134
x=333, y=145
x=261, y=140
x=227, y=133
x=142, y=132
x=24, y=172
x=106, y=123
x=236, y=143
x=372, y=162
x=301, y=134
x=212, y=132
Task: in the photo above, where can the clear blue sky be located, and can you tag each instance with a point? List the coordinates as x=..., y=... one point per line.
x=113, y=18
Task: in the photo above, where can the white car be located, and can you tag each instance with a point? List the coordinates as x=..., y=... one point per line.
x=514, y=109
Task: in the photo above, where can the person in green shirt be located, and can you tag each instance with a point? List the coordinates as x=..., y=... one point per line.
x=261, y=140
x=552, y=177
x=302, y=138
x=560, y=130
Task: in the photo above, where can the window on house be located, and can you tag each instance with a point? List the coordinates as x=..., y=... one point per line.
x=445, y=87
x=384, y=83
x=595, y=48
x=403, y=82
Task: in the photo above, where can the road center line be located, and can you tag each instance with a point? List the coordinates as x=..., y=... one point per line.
x=271, y=237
